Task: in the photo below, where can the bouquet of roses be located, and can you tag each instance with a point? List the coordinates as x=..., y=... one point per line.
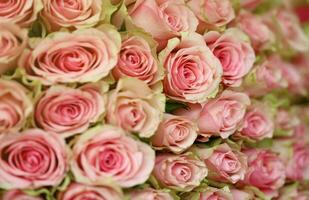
x=153, y=100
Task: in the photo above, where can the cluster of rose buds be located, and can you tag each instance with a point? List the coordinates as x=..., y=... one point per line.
x=153, y=100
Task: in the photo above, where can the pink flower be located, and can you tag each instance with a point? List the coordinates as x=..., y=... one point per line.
x=13, y=41
x=209, y=193
x=286, y=122
x=179, y=172
x=259, y=33
x=15, y=106
x=22, y=12
x=32, y=159
x=175, y=133
x=298, y=166
x=150, y=194
x=266, y=170
x=134, y=107
x=242, y=194
x=223, y=163
x=76, y=13
x=137, y=60
x=86, y=55
x=163, y=19
x=193, y=73
x=81, y=191
x=19, y=195
x=258, y=123
x=69, y=111
x=220, y=116
x=213, y=13
x=106, y=154
x=234, y=52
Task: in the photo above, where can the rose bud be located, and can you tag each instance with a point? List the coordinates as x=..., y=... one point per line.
x=179, y=172
x=106, y=154
x=69, y=111
x=15, y=106
x=174, y=133
x=13, y=41
x=234, y=52
x=150, y=194
x=32, y=159
x=223, y=163
x=85, y=55
x=22, y=12
x=134, y=107
x=163, y=19
x=80, y=191
x=76, y=13
x=193, y=73
x=266, y=171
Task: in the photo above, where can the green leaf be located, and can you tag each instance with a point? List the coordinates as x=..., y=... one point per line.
x=40, y=192
x=213, y=141
x=171, y=106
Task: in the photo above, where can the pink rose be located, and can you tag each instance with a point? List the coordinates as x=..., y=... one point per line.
x=179, y=172
x=213, y=13
x=76, y=191
x=136, y=59
x=32, y=159
x=86, y=55
x=266, y=170
x=163, y=19
x=13, y=41
x=259, y=33
x=18, y=195
x=76, y=13
x=290, y=30
x=174, y=133
x=22, y=12
x=250, y=4
x=298, y=166
x=234, y=52
x=292, y=191
x=134, y=107
x=286, y=122
x=150, y=194
x=258, y=123
x=69, y=111
x=242, y=194
x=223, y=163
x=209, y=193
x=220, y=116
x=193, y=73
x=15, y=106
x=104, y=154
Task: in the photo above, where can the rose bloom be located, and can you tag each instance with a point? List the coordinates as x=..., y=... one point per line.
x=150, y=194
x=15, y=106
x=174, y=133
x=136, y=59
x=32, y=159
x=76, y=13
x=214, y=13
x=18, y=195
x=234, y=52
x=134, y=107
x=81, y=191
x=221, y=116
x=223, y=163
x=86, y=55
x=209, y=193
x=286, y=122
x=13, y=41
x=250, y=4
x=288, y=26
x=297, y=168
x=22, y=12
x=258, y=123
x=179, y=172
x=242, y=194
x=163, y=19
x=266, y=171
x=193, y=73
x=104, y=154
x=259, y=33
x=69, y=111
